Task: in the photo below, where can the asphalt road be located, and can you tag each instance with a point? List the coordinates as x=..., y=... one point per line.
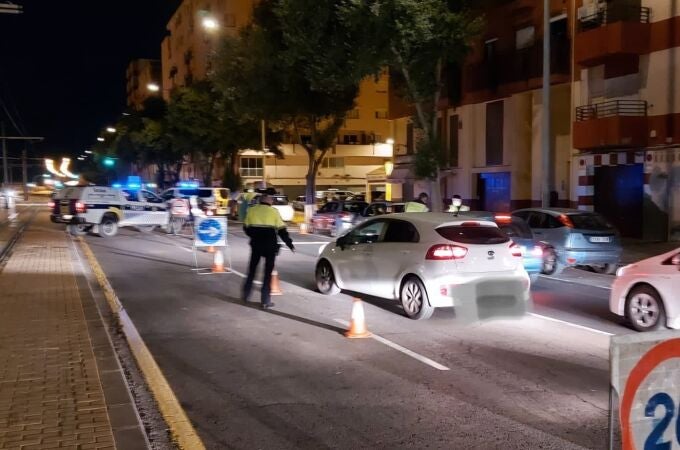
x=287, y=378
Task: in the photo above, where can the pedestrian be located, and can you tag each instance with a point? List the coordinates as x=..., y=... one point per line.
x=262, y=224
x=417, y=205
x=457, y=205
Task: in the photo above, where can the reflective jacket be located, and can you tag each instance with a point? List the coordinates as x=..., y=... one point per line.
x=415, y=206
x=262, y=224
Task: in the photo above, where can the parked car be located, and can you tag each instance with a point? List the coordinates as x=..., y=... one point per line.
x=280, y=202
x=427, y=261
x=538, y=256
x=646, y=292
x=336, y=216
x=299, y=203
x=379, y=209
x=579, y=238
x=333, y=194
x=212, y=201
x=103, y=210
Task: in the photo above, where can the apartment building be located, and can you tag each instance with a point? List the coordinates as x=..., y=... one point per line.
x=143, y=78
x=491, y=113
x=627, y=114
x=193, y=34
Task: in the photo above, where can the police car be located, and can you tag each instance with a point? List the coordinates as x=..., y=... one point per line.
x=102, y=209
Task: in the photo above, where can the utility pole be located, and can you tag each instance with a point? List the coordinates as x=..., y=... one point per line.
x=24, y=173
x=545, y=137
x=5, y=167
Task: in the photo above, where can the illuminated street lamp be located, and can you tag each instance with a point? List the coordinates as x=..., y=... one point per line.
x=110, y=129
x=210, y=24
x=100, y=139
x=153, y=87
x=389, y=141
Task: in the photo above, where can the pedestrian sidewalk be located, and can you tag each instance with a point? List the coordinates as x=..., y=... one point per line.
x=61, y=385
x=635, y=250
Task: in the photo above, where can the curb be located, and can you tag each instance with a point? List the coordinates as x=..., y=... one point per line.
x=181, y=429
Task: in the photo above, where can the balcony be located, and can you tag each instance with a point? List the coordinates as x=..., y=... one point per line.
x=518, y=66
x=616, y=123
x=613, y=31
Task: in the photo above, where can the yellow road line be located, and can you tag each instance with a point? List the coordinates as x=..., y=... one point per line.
x=181, y=429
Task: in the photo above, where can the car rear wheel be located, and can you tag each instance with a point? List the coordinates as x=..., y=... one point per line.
x=644, y=309
x=146, y=228
x=79, y=229
x=551, y=264
x=609, y=269
x=325, y=279
x=108, y=227
x=414, y=299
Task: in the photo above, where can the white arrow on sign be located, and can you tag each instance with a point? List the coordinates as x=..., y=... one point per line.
x=212, y=231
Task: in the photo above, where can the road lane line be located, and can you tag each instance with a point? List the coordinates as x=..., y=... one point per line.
x=309, y=243
x=404, y=350
x=179, y=424
x=592, y=330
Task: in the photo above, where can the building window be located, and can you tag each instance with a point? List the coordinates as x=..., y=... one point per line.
x=494, y=133
x=251, y=167
x=453, y=141
x=409, y=139
x=381, y=114
x=350, y=139
x=353, y=114
x=333, y=162
x=524, y=37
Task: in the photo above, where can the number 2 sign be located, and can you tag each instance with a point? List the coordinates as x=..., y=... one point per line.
x=646, y=374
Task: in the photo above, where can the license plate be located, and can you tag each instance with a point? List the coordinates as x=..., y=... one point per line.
x=64, y=209
x=600, y=239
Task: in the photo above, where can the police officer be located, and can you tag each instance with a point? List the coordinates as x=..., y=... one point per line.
x=262, y=224
x=457, y=205
x=417, y=205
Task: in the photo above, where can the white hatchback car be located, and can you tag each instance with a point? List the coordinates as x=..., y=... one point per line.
x=646, y=292
x=428, y=261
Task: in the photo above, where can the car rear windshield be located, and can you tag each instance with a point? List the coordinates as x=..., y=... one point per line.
x=516, y=229
x=356, y=207
x=473, y=234
x=592, y=222
x=279, y=200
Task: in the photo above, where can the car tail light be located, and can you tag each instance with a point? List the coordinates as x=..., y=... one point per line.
x=537, y=251
x=503, y=218
x=80, y=207
x=515, y=250
x=445, y=252
x=50, y=204
x=565, y=220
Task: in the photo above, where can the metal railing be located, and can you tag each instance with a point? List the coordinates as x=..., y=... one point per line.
x=614, y=13
x=612, y=108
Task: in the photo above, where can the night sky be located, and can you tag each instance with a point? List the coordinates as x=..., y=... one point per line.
x=62, y=65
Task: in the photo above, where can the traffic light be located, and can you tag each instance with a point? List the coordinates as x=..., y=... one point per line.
x=109, y=162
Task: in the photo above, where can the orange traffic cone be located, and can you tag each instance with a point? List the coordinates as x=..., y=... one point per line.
x=303, y=228
x=211, y=249
x=218, y=263
x=275, y=289
x=357, y=323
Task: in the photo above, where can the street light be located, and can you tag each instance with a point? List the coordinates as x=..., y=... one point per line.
x=110, y=129
x=109, y=162
x=210, y=24
x=153, y=87
x=100, y=139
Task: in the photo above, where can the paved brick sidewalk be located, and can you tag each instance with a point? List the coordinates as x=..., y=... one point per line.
x=51, y=395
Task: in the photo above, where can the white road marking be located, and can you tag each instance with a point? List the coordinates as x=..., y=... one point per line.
x=309, y=243
x=243, y=275
x=592, y=330
x=404, y=350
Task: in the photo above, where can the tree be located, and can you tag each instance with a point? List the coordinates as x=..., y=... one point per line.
x=419, y=38
x=298, y=66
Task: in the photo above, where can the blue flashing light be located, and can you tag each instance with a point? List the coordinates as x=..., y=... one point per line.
x=109, y=162
x=188, y=184
x=117, y=185
x=134, y=186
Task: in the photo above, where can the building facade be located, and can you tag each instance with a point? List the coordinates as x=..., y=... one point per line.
x=186, y=57
x=627, y=115
x=491, y=114
x=143, y=78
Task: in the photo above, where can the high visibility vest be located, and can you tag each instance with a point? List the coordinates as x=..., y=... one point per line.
x=264, y=216
x=415, y=207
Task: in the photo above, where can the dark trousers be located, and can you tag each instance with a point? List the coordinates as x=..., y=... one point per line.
x=269, y=259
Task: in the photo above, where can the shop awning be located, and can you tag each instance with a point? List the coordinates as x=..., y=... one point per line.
x=376, y=176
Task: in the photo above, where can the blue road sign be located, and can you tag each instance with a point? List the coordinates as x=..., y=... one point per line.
x=210, y=232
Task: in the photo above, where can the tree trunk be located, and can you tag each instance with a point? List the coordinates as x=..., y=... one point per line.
x=310, y=178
